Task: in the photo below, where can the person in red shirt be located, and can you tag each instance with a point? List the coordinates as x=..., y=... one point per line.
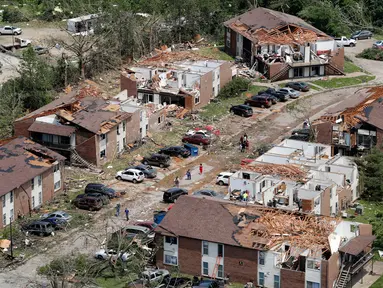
x=200, y=168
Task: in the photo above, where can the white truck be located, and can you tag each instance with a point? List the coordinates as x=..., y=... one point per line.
x=17, y=44
x=344, y=41
x=10, y=30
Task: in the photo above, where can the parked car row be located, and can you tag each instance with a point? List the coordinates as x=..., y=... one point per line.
x=47, y=223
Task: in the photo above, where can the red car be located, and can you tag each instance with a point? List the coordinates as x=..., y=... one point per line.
x=198, y=139
x=148, y=224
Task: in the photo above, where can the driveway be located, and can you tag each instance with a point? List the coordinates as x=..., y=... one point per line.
x=371, y=66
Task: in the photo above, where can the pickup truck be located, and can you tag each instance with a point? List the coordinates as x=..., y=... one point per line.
x=344, y=41
x=18, y=43
x=10, y=30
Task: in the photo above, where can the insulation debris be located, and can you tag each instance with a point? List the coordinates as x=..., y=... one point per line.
x=288, y=171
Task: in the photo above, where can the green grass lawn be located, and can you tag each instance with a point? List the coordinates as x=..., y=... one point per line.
x=350, y=67
x=219, y=109
x=214, y=53
x=343, y=81
x=378, y=283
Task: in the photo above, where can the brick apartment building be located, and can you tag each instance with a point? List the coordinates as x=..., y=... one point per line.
x=282, y=46
x=190, y=84
x=84, y=128
x=271, y=247
x=30, y=175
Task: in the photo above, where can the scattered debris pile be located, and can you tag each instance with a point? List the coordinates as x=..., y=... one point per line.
x=164, y=57
x=288, y=171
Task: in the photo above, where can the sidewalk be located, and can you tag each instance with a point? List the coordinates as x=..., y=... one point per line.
x=364, y=279
x=195, y=176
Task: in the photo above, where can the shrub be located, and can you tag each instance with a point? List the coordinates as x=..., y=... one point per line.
x=13, y=14
x=234, y=88
x=371, y=54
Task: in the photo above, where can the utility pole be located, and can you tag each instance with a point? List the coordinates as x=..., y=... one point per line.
x=11, y=236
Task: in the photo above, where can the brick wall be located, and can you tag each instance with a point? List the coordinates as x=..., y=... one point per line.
x=206, y=90
x=323, y=274
x=48, y=185
x=292, y=279
x=22, y=200
x=325, y=202
x=307, y=205
x=83, y=135
x=189, y=256
x=365, y=229
x=233, y=43
x=111, y=146
x=21, y=127
x=133, y=127
x=332, y=269
x=224, y=74
x=324, y=132
x=337, y=58
x=241, y=264
x=344, y=198
x=89, y=150
x=128, y=84
x=379, y=138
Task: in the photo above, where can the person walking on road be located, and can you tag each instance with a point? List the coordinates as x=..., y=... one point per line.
x=118, y=206
x=200, y=169
x=188, y=175
x=177, y=182
x=127, y=214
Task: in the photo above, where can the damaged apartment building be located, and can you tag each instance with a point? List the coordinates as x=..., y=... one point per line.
x=30, y=176
x=82, y=126
x=282, y=46
x=355, y=125
x=267, y=246
x=299, y=176
x=177, y=78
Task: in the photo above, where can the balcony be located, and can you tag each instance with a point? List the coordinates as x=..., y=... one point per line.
x=358, y=265
x=52, y=145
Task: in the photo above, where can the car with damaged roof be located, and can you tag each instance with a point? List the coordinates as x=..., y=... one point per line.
x=40, y=228
x=208, y=193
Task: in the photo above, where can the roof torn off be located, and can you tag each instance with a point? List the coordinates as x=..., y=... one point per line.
x=286, y=171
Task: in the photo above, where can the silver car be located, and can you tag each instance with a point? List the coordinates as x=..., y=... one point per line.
x=291, y=92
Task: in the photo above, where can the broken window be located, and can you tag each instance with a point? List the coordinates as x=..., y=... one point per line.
x=57, y=185
x=298, y=72
x=147, y=98
x=102, y=154
x=56, y=168
x=353, y=228
x=245, y=175
x=205, y=248
x=313, y=264
x=159, y=120
x=118, y=129
x=171, y=240
x=196, y=99
x=220, y=250
x=261, y=258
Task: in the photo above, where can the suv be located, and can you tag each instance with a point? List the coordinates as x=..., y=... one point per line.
x=132, y=175
x=299, y=86
x=155, y=275
x=88, y=203
x=100, y=188
x=149, y=171
x=176, y=151
x=41, y=228
x=259, y=101
x=160, y=160
x=364, y=34
x=242, y=110
x=172, y=194
x=223, y=178
x=104, y=198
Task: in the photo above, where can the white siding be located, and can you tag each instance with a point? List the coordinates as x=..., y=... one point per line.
x=120, y=138
x=37, y=191
x=333, y=200
x=57, y=177
x=170, y=250
x=144, y=121
x=211, y=258
x=325, y=45
x=317, y=206
x=269, y=268
x=8, y=201
x=239, y=44
x=313, y=275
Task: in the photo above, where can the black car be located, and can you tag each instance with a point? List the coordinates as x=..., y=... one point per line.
x=273, y=99
x=100, y=188
x=160, y=160
x=177, y=151
x=282, y=96
x=179, y=282
x=363, y=34
x=149, y=171
x=56, y=222
x=104, y=198
x=298, y=86
x=242, y=110
x=41, y=228
x=172, y=194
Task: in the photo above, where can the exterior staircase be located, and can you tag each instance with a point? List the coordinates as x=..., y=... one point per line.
x=343, y=278
x=77, y=160
x=335, y=69
x=285, y=69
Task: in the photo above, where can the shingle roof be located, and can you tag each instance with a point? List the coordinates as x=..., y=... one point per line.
x=374, y=114
x=21, y=160
x=357, y=244
x=47, y=128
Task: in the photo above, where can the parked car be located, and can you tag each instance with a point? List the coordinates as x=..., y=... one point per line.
x=176, y=151
x=40, y=50
x=56, y=223
x=259, y=101
x=223, y=178
x=132, y=175
x=198, y=139
x=148, y=224
x=344, y=41
x=241, y=110
x=179, y=282
x=280, y=95
x=201, y=132
x=155, y=275
x=105, y=199
x=41, y=228
x=100, y=188
x=299, y=86
x=172, y=194
x=208, y=283
x=88, y=203
x=301, y=134
x=149, y=171
x=378, y=44
x=160, y=160
x=10, y=30
x=206, y=192
x=105, y=254
x=62, y=215
x=293, y=94
x=134, y=231
x=363, y=34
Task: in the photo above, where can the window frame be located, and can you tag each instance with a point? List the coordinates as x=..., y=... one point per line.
x=261, y=280
x=261, y=258
x=203, y=268
x=170, y=262
x=203, y=247
x=277, y=284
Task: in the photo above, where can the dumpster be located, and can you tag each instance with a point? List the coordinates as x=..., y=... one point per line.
x=193, y=149
x=158, y=216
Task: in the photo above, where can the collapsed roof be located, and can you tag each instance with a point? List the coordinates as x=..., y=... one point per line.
x=265, y=26
x=21, y=160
